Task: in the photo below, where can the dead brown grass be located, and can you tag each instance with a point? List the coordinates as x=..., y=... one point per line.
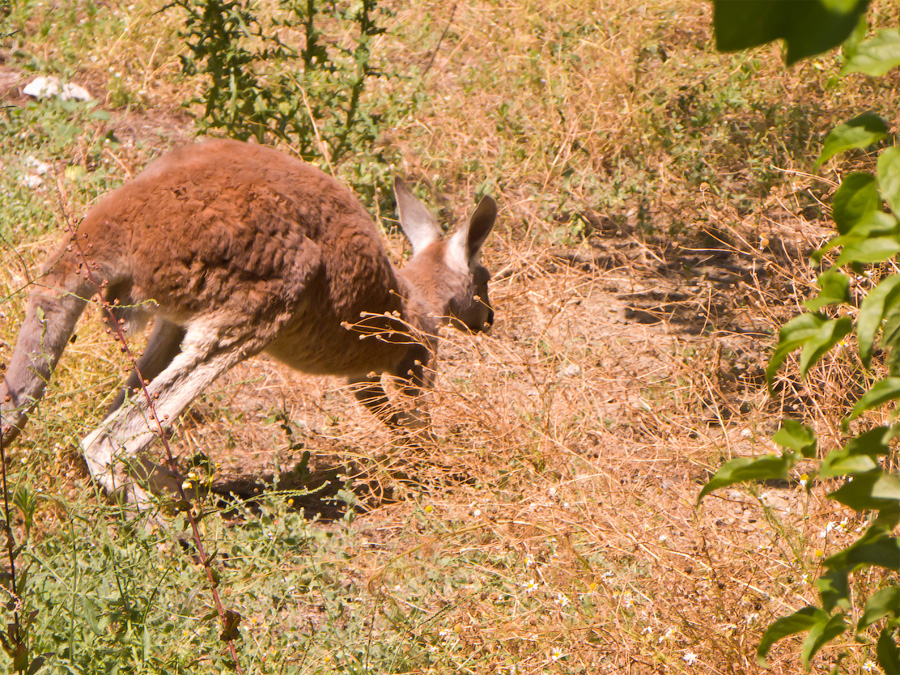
x=626, y=363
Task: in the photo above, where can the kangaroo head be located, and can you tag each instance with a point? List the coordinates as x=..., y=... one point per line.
x=446, y=270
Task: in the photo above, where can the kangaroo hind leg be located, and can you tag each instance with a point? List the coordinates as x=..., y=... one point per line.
x=163, y=345
x=205, y=354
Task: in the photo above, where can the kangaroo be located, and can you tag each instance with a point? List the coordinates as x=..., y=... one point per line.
x=236, y=249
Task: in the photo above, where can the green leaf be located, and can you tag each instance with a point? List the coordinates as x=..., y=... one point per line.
x=882, y=551
x=868, y=491
x=793, y=334
x=90, y=612
x=871, y=224
x=882, y=391
x=797, y=437
x=886, y=650
x=859, y=455
x=872, y=250
x=885, y=522
x=875, y=223
x=842, y=6
x=872, y=311
x=821, y=633
x=859, y=34
x=856, y=198
x=744, y=469
x=816, y=346
x=873, y=442
x=808, y=26
x=842, y=463
x=37, y=663
x=835, y=290
x=889, y=178
x=885, y=602
x=875, y=56
x=890, y=329
x=860, y=132
x=874, y=547
x=834, y=589
x=798, y=622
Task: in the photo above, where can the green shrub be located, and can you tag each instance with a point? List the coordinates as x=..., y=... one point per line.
x=867, y=234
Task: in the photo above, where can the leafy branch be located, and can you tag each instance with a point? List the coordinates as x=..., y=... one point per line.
x=254, y=90
x=866, y=211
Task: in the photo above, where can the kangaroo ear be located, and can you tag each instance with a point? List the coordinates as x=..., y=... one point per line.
x=465, y=244
x=480, y=225
x=416, y=221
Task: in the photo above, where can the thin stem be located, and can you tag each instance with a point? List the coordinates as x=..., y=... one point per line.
x=19, y=639
x=226, y=616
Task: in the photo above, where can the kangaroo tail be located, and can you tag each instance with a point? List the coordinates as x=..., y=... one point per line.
x=55, y=303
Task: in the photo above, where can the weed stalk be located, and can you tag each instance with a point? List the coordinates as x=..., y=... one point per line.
x=15, y=642
x=229, y=618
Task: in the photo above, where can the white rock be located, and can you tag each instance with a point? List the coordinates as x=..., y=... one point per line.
x=75, y=91
x=36, y=165
x=42, y=87
x=570, y=370
x=48, y=86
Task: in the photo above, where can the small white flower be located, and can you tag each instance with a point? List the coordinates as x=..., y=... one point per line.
x=746, y=433
x=530, y=586
x=753, y=616
x=829, y=527
x=562, y=600
x=665, y=636
x=689, y=658
x=556, y=654
x=869, y=666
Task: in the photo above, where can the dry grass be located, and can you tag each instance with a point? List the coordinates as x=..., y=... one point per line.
x=657, y=207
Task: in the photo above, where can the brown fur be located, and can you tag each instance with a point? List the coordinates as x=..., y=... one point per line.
x=236, y=249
